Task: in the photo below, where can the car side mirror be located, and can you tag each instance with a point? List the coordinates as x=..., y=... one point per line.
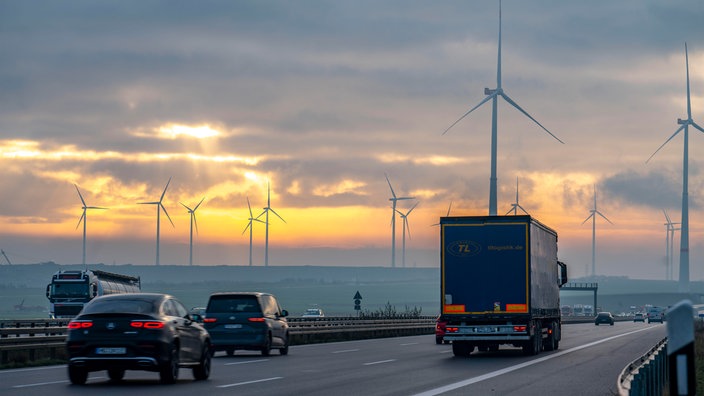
x=284, y=313
x=195, y=317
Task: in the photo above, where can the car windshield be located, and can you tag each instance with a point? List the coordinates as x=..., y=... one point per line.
x=119, y=306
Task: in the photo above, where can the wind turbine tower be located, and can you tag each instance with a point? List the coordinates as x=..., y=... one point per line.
x=393, y=200
x=516, y=206
x=670, y=245
x=493, y=95
x=266, y=211
x=592, y=216
x=159, y=207
x=84, y=219
x=251, y=227
x=684, y=236
x=192, y=212
x=404, y=217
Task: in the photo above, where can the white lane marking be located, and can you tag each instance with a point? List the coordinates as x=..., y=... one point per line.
x=380, y=362
x=52, y=383
x=410, y=343
x=32, y=369
x=474, y=380
x=345, y=351
x=246, y=361
x=249, y=382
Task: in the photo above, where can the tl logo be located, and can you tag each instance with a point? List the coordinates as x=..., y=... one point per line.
x=464, y=248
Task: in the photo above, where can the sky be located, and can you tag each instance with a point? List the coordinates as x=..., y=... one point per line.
x=321, y=100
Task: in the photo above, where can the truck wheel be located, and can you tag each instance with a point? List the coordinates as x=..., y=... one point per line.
x=535, y=343
x=551, y=342
x=462, y=348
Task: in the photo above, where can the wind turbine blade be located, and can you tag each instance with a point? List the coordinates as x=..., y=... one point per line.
x=163, y=193
x=408, y=227
x=81, y=219
x=514, y=104
x=588, y=217
x=250, y=208
x=602, y=215
x=448, y=209
x=694, y=124
x=467, y=113
x=79, y=194
x=405, y=198
x=411, y=210
x=277, y=215
x=524, y=211
x=167, y=215
x=195, y=221
x=689, y=102
x=96, y=207
x=187, y=208
x=262, y=213
x=247, y=227
x=391, y=188
x=667, y=217
x=509, y=211
x=148, y=203
x=666, y=141
x=201, y=201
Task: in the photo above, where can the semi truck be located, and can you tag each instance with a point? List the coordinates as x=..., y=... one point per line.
x=500, y=283
x=69, y=290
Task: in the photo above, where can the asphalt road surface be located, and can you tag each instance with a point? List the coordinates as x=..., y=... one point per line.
x=588, y=362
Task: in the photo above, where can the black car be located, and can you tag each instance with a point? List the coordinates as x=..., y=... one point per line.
x=604, y=317
x=246, y=320
x=136, y=331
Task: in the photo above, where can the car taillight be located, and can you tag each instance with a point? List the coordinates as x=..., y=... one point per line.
x=256, y=319
x=142, y=324
x=451, y=329
x=520, y=328
x=80, y=324
x=209, y=320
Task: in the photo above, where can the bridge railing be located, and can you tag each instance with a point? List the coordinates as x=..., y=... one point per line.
x=647, y=375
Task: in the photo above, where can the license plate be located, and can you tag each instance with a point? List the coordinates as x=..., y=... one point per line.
x=233, y=326
x=110, y=351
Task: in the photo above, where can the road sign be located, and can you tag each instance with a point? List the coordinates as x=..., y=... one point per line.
x=357, y=301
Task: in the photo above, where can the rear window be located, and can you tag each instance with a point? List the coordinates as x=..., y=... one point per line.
x=228, y=304
x=119, y=306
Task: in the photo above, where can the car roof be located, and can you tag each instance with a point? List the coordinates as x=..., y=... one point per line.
x=239, y=294
x=133, y=296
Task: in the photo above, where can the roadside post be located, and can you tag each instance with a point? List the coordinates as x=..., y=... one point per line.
x=357, y=302
x=680, y=348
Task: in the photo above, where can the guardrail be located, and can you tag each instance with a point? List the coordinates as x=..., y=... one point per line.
x=647, y=375
x=26, y=341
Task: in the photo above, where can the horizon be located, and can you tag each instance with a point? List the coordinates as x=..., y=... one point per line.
x=322, y=101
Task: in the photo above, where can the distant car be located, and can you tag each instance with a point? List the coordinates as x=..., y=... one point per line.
x=313, y=313
x=197, y=313
x=440, y=324
x=639, y=317
x=246, y=320
x=604, y=317
x=656, y=317
x=136, y=331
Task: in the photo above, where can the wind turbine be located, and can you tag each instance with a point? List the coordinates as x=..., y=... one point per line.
x=266, y=211
x=84, y=219
x=192, y=212
x=393, y=200
x=159, y=207
x=405, y=227
x=670, y=243
x=684, y=236
x=249, y=225
x=516, y=206
x=447, y=215
x=493, y=95
x=592, y=216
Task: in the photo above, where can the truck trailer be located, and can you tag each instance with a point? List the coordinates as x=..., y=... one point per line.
x=500, y=283
x=69, y=290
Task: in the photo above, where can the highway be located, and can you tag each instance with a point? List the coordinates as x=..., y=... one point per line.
x=587, y=363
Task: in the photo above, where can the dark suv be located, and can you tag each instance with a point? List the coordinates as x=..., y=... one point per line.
x=246, y=320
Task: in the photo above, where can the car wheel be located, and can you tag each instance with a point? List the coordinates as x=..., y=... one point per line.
x=169, y=371
x=266, y=349
x=77, y=375
x=116, y=374
x=284, y=350
x=438, y=340
x=202, y=370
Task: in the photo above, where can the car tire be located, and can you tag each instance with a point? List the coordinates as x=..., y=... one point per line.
x=202, y=370
x=77, y=375
x=116, y=374
x=230, y=351
x=284, y=350
x=266, y=348
x=438, y=340
x=168, y=374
